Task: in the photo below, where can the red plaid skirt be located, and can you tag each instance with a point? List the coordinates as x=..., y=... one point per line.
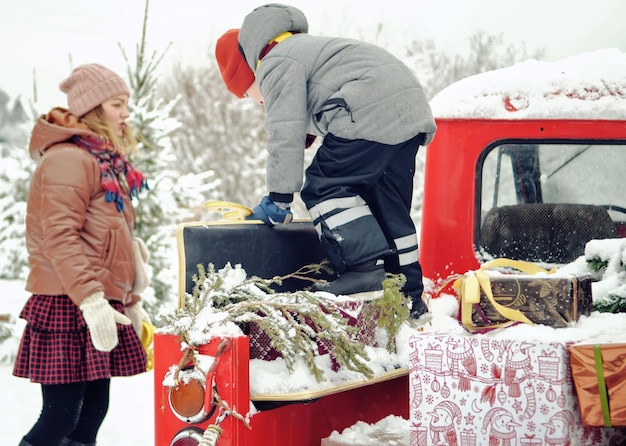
x=56, y=346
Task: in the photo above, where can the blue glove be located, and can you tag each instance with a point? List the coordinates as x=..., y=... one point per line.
x=272, y=213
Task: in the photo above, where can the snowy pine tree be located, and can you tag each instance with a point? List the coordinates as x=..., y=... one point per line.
x=16, y=169
x=613, y=300
x=172, y=195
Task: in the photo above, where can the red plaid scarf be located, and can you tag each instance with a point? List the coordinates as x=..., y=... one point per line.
x=112, y=165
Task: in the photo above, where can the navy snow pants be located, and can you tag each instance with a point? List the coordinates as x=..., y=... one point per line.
x=359, y=196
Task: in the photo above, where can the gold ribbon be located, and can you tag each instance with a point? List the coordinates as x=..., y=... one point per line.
x=147, y=336
x=230, y=211
x=469, y=285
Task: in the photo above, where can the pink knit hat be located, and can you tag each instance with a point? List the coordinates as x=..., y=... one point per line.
x=89, y=86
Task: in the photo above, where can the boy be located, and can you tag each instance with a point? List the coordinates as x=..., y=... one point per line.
x=373, y=115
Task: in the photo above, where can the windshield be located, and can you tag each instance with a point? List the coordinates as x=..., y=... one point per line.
x=541, y=201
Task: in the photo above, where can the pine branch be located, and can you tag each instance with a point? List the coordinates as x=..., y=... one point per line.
x=306, y=271
x=596, y=264
x=296, y=323
x=611, y=303
x=392, y=309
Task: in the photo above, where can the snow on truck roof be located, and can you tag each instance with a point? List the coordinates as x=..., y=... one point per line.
x=587, y=86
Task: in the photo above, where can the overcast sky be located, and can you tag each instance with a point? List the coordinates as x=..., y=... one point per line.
x=39, y=37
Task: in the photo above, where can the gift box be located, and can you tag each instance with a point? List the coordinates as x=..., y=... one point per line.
x=479, y=390
x=493, y=299
x=599, y=373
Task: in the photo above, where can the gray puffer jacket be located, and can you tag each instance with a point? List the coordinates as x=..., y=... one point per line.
x=320, y=85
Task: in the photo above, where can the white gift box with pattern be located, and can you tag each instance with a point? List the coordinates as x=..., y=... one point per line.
x=479, y=391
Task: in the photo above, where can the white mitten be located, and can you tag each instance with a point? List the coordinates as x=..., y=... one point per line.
x=102, y=320
x=142, y=279
x=143, y=249
x=137, y=315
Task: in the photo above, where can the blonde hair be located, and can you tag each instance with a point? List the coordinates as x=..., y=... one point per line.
x=97, y=122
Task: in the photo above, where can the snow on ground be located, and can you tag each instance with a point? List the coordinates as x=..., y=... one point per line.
x=130, y=420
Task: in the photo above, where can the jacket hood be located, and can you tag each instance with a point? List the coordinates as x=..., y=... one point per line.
x=57, y=126
x=266, y=22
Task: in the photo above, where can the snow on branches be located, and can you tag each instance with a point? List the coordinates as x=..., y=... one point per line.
x=225, y=302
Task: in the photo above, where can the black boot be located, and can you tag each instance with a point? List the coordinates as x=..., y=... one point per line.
x=24, y=443
x=68, y=442
x=418, y=307
x=363, y=280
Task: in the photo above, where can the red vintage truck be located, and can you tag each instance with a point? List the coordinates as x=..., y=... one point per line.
x=528, y=163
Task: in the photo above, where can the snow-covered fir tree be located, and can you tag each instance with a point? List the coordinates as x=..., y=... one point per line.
x=172, y=195
x=16, y=168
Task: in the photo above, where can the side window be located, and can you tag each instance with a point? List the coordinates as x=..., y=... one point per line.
x=510, y=175
x=542, y=201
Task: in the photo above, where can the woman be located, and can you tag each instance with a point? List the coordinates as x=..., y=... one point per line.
x=79, y=236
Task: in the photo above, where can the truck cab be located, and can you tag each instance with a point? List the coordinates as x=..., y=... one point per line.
x=527, y=164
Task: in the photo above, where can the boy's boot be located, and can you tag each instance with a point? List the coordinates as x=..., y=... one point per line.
x=418, y=307
x=68, y=442
x=363, y=280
